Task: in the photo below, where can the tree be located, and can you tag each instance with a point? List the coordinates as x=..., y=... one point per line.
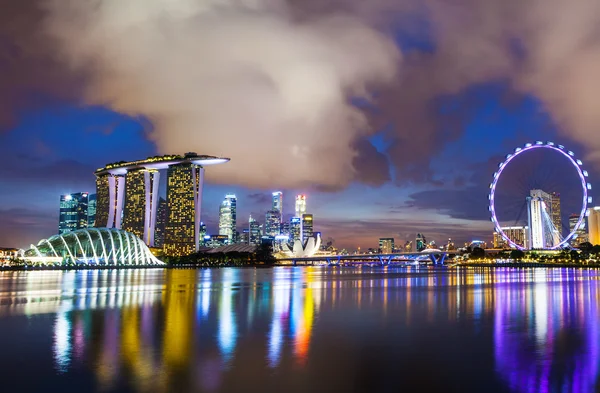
x=586, y=247
x=595, y=250
x=478, y=252
x=264, y=253
x=517, y=254
x=574, y=255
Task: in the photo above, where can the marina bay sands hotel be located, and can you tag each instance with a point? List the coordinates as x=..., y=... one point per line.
x=127, y=198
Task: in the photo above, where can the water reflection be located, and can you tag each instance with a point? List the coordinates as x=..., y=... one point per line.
x=216, y=330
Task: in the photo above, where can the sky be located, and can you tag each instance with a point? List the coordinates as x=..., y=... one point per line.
x=391, y=117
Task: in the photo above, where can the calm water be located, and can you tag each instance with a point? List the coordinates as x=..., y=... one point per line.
x=300, y=330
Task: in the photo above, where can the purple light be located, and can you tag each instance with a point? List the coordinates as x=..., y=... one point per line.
x=584, y=186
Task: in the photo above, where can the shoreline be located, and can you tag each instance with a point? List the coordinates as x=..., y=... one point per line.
x=452, y=266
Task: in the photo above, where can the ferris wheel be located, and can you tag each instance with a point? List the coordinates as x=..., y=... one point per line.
x=542, y=229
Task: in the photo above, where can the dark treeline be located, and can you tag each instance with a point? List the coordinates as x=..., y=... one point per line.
x=262, y=256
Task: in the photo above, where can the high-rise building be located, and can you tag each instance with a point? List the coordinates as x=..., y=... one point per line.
x=581, y=235
x=519, y=235
x=110, y=192
x=184, y=201
x=128, y=191
x=555, y=211
x=254, y=232
x=499, y=241
x=91, y=211
x=245, y=236
x=278, y=203
x=285, y=228
x=202, y=230
x=228, y=217
x=272, y=223
x=544, y=219
x=73, y=213
x=139, y=212
x=420, y=242
x=161, y=223
x=296, y=228
x=594, y=225
x=307, y=226
x=386, y=245
x=300, y=205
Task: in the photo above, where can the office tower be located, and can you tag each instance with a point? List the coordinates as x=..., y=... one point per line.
x=555, y=211
x=272, y=223
x=536, y=213
x=581, y=235
x=202, y=230
x=110, y=191
x=420, y=242
x=228, y=217
x=254, y=232
x=519, y=235
x=91, y=211
x=245, y=236
x=296, y=228
x=543, y=218
x=184, y=201
x=307, y=226
x=594, y=225
x=386, y=245
x=278, y=203
x=499, y=241
x=285, y=228
x=300, y=205
x=161, y=224
x=73, y=213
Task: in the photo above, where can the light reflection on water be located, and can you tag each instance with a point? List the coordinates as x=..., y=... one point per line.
x=300, y=329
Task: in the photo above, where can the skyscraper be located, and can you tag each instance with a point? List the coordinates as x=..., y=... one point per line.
x=254, y=232
x=184, y=199
x=300, y=205
x=161, y=223
x=581, y=235
x=110, y=191
x=228, y=217
x=91, y=210
x=141, y=203
x=386, y=245
x=518, y=235
x=555, y=211
x=272, y=223
x=545, y=226
x=296, y=228
x=307, y=226
x=420, y=242
x=278, y=203
x=137, y=204
x=594, y=225
x=73, y=212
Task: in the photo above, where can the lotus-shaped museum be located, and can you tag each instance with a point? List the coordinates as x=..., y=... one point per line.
x=302, y=249
x=93, y=246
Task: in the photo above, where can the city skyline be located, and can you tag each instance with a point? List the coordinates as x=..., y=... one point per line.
x=393, y=153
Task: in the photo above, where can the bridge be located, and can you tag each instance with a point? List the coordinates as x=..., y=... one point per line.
x=437, y=257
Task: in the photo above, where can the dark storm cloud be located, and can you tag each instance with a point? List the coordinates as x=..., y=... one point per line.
x=469, y=203
x=31, y=75
x=372, y=167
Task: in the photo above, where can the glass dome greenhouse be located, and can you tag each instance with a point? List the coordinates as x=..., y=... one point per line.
x=94, y=246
